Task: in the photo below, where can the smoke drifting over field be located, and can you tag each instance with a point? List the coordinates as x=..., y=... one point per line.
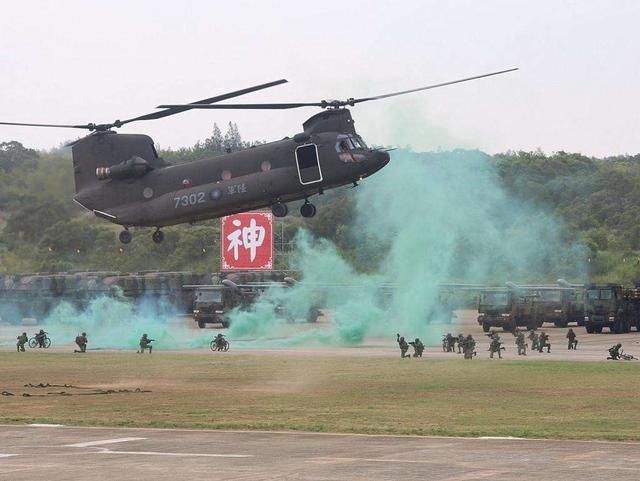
x=438, y=218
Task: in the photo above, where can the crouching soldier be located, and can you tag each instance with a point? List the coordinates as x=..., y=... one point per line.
x=615, y=352
x=81, y=341
x=418, y=347
x=522, y=344
x=22, y=340
x=544, y=342
x=404, y=347
x=145, y=343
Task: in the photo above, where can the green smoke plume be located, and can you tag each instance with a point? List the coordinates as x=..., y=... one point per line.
x=438, y=218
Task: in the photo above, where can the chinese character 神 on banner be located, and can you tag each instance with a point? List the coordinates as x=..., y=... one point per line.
x=247, y=241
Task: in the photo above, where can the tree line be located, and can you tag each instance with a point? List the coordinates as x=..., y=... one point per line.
x=43, y=230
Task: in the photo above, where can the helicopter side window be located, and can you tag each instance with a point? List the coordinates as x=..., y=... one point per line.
x=308, y=164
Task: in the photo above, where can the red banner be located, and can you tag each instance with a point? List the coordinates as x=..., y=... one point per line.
x=247, y=241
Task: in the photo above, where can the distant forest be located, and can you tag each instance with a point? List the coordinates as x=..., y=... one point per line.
x=43, y=230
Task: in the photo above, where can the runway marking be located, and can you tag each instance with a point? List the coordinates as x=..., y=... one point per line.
x=102, y=442
x=187, y=455
x=46, y=425
x=329, y=459
x=7, y=455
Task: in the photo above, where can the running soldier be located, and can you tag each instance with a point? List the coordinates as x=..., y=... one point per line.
x=495, y=346
x=573, y=342
x=460, y=342
x=469, y=347
x=22, y=340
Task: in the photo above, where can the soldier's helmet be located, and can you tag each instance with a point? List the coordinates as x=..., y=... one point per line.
x=417, y=340
x=41, y=331
x=144, y=335
x=24, y=333
x=84, y=333
x=618, y=345
x=402, y=339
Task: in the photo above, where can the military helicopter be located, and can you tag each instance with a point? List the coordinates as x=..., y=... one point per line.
x=121, y=178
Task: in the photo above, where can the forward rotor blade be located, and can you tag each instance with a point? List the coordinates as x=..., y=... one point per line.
x=219, y=98
x=86, y=126
x=245, y=106
x=394, y=94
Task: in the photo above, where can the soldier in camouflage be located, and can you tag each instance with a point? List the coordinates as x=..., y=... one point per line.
x=544, y=342
x=22, y=340
x=522, y=344
x=573, y=342
x=404, y=347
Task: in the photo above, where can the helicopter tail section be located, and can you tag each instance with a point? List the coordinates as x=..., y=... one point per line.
x=106, y=156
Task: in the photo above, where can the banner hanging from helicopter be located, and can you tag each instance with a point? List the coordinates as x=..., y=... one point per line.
x=246, y=241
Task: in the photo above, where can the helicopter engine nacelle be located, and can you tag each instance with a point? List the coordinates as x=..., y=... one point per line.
x=134, y=167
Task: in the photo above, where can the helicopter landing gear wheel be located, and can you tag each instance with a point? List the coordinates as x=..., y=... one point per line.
x=307, y=210
x=125, y=236
x=158, y=236
x=279, y=209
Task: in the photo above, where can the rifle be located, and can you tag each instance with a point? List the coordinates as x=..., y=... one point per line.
x=628, y=357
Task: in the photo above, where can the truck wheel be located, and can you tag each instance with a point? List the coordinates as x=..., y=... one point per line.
x=225, y=324
x=201, y=324
x=485, y=327
x=598, y=330
x=589, y=329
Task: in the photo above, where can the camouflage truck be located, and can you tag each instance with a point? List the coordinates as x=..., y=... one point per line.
x=612, y=306
x=559, y=306
x=507, y=308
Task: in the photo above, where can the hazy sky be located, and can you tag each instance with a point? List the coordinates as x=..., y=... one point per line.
x=578, y=88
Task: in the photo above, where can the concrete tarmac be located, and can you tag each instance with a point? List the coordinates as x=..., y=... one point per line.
x=73, y=453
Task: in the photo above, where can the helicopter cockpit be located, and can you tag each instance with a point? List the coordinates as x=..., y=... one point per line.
x=346, y=145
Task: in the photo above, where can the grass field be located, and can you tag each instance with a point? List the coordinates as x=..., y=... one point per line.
x=240, y=390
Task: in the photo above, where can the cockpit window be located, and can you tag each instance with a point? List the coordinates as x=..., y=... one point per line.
x=358, y=142
x=344, y=144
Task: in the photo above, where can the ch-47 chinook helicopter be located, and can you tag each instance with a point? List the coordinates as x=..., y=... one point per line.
x=120, y=178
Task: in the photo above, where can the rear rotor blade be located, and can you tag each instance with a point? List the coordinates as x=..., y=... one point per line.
x=172, y=110
x=384, y=96
x=86, y=126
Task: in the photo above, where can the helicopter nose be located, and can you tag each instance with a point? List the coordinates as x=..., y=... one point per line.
x=383, y=157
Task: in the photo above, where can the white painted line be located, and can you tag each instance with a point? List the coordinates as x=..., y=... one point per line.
x=101, y=442
x=46, y=425
x=187, y=455
x=7, y=455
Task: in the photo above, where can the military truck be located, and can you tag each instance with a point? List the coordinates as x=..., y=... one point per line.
x=507, y=308
x=612, y=306
x=560, y=306
x=212, y=303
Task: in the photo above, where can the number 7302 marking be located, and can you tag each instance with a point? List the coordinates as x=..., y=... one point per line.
x=190, y=199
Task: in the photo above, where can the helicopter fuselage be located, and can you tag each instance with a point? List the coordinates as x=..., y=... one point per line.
x=144, y=192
